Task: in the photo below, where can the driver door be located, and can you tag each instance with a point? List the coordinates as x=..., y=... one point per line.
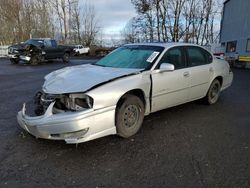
x=171, y=88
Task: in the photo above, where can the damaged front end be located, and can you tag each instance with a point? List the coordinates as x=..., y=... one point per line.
x=68, y=117
x=62, y=102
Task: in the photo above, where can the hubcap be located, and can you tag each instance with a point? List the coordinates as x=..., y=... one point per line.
x=214, y=92
x=131, y=115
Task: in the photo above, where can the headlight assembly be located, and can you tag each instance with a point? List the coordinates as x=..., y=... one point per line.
x=77, y=102
x=68, y=102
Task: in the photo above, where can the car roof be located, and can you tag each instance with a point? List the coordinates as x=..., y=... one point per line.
x=165, y=45
x=168, y=45
x=41, y=39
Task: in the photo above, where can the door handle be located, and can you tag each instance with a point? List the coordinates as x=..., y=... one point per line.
x=186, y=74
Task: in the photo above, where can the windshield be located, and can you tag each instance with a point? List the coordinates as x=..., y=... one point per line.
x=35, y=42
x=132, y=57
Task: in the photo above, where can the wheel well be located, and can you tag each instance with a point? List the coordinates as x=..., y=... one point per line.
x=137, y=92
x=220, y=79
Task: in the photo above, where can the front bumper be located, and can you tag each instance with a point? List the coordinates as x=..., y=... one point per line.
x=72, y=127
x=21, y=57
x=12, y=56
x=25, y=58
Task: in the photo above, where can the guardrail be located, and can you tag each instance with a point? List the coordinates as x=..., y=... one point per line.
x=3, y=51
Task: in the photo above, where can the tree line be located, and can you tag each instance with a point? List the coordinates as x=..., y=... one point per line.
x=174, y=20
x=66, y=20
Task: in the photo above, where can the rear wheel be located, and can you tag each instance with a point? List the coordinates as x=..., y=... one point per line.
x=129, y=116
x=14, y=60
x=213, y=93
x=66, y=58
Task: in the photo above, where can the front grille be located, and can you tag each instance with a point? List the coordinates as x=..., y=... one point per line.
x=31, y=108
x=47, y=98
x=12, y=50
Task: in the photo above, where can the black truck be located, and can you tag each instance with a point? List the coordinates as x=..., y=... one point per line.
x=37, y=50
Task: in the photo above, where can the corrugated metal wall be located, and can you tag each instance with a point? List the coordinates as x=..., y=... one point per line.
x=236, y=24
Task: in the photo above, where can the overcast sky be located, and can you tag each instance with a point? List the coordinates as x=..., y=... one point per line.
x=113, y=14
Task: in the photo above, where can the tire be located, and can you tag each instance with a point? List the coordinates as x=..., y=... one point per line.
x=129, y=116
x=14, y=60
x=34, y=60
x=213, y=93
x=66, y=58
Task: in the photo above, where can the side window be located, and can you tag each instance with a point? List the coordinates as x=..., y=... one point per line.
x=196, y=56
x=208, y=56
x=53, y=43
x=231, y=46
x=47, y=43
x=174, y=56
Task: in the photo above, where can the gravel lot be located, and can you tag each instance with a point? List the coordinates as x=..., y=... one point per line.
x=192, y=145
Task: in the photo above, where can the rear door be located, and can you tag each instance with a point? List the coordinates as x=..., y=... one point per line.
x=58, y=50
x=171, y=88
x=52, y=50
x=201, y=71
x=48, y=49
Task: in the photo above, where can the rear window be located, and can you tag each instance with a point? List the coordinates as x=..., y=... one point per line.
x=198, y=56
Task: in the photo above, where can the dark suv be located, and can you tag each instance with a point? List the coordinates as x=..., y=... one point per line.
x=38, y=50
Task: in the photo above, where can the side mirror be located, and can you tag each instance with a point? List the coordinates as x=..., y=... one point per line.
x=166, y=67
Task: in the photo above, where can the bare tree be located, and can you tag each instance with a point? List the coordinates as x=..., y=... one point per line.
x=178, y=20
x=129, y=33
x=145, y=9
x=76, y=22
x=90, y=26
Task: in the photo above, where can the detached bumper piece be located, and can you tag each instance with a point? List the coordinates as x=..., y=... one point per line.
x=72, y=127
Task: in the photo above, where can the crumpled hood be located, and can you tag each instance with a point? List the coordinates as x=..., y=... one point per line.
x=18, y=46
x=81, y=78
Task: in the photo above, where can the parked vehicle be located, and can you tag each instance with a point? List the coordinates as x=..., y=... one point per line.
x=112, y=96
x=79, y=50
x=38, y=50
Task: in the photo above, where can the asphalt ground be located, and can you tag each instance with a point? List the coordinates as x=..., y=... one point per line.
x=192, y=145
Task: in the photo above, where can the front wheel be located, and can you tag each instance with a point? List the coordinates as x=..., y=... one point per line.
x=213, y=93
x=129, y=116
x=34, y=60
x=14, y=60
x=66, y=58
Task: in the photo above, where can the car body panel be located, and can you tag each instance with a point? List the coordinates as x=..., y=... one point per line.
x=200, y=77
x=113, y=91
x=107, y=86
x=169, y=89
x=47, y=125
x=81, y=78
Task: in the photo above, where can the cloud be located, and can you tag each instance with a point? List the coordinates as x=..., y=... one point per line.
x=113, y=14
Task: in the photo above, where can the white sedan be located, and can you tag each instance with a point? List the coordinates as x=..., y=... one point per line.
x=112, y=96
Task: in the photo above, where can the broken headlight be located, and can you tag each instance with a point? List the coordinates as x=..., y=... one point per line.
x=75, y=102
